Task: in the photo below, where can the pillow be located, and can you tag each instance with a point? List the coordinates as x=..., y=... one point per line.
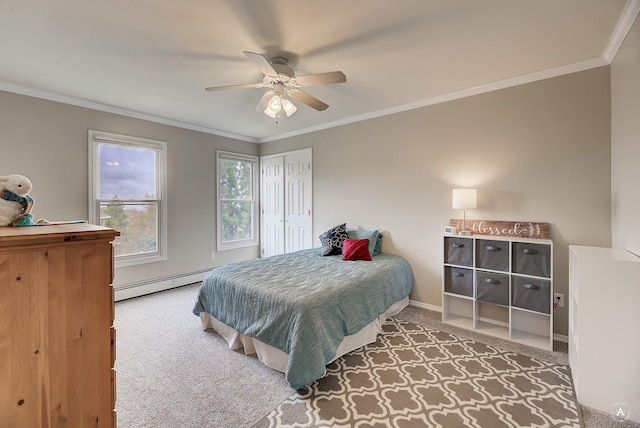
x=356, y=249
x=374, y=236
x=376, y=249
x=332, y=240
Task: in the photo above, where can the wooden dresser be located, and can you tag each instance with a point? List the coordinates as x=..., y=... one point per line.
x=57, y=341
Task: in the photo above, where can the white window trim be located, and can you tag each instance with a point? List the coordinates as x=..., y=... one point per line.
x=96, y=137
x=255, y=219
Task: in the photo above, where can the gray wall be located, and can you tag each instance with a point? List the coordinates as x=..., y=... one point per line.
x=47, y=142
x=536, y=152
x=625, y=142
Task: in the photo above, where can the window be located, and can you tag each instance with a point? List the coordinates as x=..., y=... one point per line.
x=237, y=200
x=127, y=193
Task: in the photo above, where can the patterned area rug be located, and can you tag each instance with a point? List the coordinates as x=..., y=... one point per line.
x=417, y=377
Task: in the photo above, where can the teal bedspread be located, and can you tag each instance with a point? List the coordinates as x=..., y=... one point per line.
x=303, y=303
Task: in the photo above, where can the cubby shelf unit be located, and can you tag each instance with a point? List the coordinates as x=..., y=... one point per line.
x=500, y=286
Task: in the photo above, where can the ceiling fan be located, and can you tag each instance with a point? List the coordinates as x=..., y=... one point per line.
x=282, y=80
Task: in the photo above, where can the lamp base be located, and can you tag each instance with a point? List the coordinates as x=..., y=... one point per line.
x=465, y=233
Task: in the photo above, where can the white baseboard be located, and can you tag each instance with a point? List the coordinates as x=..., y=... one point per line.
x=137, y=289
x=561, y=338
x=425, y=306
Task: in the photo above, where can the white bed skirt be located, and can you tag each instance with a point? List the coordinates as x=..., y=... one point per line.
x=277, y=359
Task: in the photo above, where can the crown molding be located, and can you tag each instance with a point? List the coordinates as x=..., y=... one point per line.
x=463, y=93
x=78, y=102
x=626, y=20
x=451, y=96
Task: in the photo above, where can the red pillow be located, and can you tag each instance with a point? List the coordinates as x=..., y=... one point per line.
x=356, y=249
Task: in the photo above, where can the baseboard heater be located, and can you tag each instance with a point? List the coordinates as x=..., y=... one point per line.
x=137, y=289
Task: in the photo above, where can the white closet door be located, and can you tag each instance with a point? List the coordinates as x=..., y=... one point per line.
x=298, y=233
x=286, y=198
x=272, y=210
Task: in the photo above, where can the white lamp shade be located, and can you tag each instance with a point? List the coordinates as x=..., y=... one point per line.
x=464, y=199
x=274, y=104
x=278, y=103
x=288, y=107
x=270, y=113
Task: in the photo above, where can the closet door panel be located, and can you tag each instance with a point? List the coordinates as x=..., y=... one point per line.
x=298, y=202
x=285, y=199
x=272, y=206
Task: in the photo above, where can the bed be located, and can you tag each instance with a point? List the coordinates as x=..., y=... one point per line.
x=302, y=310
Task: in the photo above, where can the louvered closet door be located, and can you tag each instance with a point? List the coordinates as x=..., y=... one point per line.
x=286, y=198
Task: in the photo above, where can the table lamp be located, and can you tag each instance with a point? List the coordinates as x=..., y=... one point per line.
x=464, y=199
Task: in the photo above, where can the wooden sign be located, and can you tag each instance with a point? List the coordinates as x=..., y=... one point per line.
x=522, y=229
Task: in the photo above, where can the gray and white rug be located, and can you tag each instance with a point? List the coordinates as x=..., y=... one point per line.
x=414, y=376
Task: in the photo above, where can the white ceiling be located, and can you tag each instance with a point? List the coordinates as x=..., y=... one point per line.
x=153, y=58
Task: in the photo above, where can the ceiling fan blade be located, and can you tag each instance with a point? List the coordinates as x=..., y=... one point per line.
x=262, y=105
x=246, y=85
x=321, y=78
x=261, y=62
x=309, y=100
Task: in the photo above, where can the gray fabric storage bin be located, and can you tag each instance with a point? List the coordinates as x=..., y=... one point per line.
x=531, y=259
x=458, y=251
x=458, y=281
x=492, y=287
x=531, y=293
x=492, y=254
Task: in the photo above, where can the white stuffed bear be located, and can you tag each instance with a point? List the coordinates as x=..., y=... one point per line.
x=15, y=202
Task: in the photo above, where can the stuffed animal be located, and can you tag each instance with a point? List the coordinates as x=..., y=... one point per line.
x=15, y=202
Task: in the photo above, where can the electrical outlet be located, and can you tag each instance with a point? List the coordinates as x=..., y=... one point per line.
x=213, y=256
x=558, y=299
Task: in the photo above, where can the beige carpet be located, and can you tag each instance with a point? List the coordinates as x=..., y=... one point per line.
x=171, y=374
x=418, y=377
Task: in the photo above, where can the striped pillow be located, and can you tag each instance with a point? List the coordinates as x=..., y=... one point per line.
x=356, y=249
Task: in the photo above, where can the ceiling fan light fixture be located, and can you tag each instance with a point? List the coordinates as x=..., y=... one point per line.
x=275, y=103
x=288, y=107
x=283, y=80
x=271, y=113
x=278, y=103
x=274, y=106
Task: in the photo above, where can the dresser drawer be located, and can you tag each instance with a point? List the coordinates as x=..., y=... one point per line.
x=458, y=281
x=492, y=255
x=492, y=287
x=531, y=293
x=531, y=259
x=458, y=251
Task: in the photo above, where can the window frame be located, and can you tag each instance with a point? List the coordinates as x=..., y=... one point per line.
x=160, y=147
x=255, y=201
